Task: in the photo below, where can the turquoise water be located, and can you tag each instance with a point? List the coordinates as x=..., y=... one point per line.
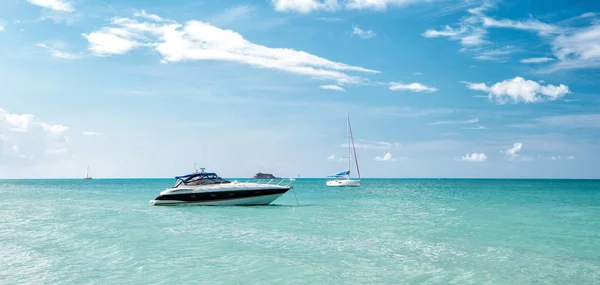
x=385, y=232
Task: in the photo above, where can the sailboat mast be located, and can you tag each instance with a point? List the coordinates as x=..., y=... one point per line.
x=353, y=148
x=349, y=142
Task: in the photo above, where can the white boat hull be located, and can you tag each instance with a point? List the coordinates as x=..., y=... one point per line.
x=249, y=201
x=343, y=183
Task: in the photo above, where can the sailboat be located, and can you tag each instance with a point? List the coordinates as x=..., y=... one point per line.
x=343, y=179
x=87, y=174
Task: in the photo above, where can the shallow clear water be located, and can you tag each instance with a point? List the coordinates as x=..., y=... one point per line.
x=385, y=232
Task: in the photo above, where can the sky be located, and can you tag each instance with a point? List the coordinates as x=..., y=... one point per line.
x=434, y=88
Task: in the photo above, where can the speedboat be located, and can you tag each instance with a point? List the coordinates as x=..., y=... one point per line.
x=206, y=188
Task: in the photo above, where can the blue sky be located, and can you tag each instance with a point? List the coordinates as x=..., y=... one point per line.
x=446, y=88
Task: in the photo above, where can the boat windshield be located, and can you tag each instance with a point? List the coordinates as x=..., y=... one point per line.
x=200, y=179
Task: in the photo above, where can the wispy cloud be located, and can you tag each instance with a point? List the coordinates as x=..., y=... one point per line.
x=3, y=24
x=55, y=5
x=365, y=144
x=572, y=121
x=388, y=157
x=146, y=15
x=579, y=49
x=305, y=6
x=196, y=40
x=474, y=157
x=496, y=54
x=536, y=60
x=531, y=24
x=518, y=90
x=332, y=87
x=308, y=6
x=569, y=157
x=471, y=121
x=575, y=47
x=410, y=112
x=469, y=31
x=362, y=33
x=91, y=134
x=330, y=19
x=232, y=14
x=53, y=49
x=414, y=87
x=478, y=128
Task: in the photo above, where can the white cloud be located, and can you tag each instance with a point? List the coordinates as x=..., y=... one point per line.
x=59, y=54
x=331, y=157
x=3, y=24
x=474, y=157
x=414, y=87
x=362, y=33
x=520, y=90
x=536, y=60
x=385, y=157
x=29, y=136
x=332, y=87
x=513, y=153
x=55, y=5
x=471, y=121
x=514, y=150
x=196, y=40
x=307, y=6
x=111, y=41
x=91, y=134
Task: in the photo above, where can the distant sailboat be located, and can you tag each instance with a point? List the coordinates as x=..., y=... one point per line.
x=342, y=179
x=87, y=174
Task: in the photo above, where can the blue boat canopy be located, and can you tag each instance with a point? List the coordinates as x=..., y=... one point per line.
x=204, y=174
x=340, y=174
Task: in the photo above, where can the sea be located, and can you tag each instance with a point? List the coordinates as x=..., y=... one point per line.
x=388, y=231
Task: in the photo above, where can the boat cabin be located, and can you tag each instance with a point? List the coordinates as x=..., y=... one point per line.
x=203, y=178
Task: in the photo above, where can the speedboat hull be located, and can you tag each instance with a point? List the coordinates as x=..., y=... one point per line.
x=343, y=183
x=254, y=197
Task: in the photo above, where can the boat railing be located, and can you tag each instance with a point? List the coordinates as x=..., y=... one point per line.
x=277, y=181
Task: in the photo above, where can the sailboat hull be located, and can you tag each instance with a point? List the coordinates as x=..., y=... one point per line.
x=343, y=183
